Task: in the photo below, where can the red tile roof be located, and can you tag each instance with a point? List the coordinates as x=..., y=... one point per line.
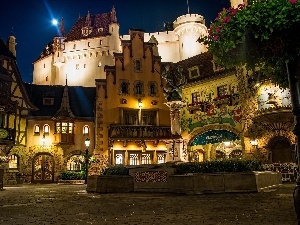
x=96, y=21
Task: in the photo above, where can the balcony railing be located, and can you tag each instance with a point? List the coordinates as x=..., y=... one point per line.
x=139, y=132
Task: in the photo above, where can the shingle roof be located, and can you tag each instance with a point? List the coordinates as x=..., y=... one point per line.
x=204, y=62
x=96, y=21
x=4, y=51
x=81, y=99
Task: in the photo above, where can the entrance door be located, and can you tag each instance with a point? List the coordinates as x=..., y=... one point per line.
x=43, y=169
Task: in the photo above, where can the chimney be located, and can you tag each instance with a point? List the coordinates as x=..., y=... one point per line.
x=11, y=44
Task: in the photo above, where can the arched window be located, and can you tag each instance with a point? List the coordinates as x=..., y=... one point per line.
x=138, y=89
x=86, y=129
x=75, y=162
x=46, y=129
x=152, y=89
x=13, y=162
x=36, y=129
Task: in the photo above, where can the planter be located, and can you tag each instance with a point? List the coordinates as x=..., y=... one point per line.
x=224, y=182
x=110, y=184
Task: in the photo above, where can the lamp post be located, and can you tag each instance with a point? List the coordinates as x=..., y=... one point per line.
x=87, y=144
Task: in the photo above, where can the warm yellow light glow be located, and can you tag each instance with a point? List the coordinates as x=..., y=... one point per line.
x=140, y=104
x=87, y=142
x=254, y=142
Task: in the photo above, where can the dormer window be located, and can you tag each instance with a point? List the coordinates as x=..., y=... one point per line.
x=194, y=72
x=86, y=31
x=48, y=101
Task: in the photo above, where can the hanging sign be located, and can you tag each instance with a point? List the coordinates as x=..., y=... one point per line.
x=214, y=136
x=3, y=133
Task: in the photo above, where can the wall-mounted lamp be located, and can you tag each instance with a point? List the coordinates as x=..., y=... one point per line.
x=254, y=143
x=140, y=104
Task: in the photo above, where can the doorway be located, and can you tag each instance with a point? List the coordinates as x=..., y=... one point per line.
x=43, y=169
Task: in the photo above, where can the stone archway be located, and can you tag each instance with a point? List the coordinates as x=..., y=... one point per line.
x=281, y=150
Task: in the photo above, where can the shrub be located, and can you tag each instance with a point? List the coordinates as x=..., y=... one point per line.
x=228, y=165
x=116, y=170
x=72, y=175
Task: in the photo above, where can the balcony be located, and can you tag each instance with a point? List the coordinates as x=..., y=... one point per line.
x=138, y=132
x=64, y=139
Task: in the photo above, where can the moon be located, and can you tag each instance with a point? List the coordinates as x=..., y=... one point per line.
x=54, y=22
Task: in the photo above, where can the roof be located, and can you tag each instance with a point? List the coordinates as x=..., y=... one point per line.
x=81, y=99
x=4, y=51
x=48, y=50
x=204, y=62
x=96, y=21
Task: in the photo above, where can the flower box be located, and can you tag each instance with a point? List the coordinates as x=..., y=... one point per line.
x=223, y=99
x=197, y=106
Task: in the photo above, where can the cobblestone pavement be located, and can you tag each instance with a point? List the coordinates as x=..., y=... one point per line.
x=71, y=204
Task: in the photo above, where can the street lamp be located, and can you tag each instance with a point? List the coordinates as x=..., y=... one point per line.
x=87, y=144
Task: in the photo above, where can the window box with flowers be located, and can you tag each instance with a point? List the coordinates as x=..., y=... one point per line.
x=223, y=99
x=197, y=106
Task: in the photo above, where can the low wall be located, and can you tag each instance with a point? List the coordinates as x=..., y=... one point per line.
x=224, y=182
x=161, y=178
x=109, y=184
x=152, y=178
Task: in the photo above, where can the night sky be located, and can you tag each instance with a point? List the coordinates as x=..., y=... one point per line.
x=30, y=20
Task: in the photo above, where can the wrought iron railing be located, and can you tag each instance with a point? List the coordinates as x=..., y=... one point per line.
x=139, y=132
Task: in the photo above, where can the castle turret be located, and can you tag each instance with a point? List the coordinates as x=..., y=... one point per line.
x=189, y=28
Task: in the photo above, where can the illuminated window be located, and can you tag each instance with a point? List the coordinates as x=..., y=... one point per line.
x=75, y=162
x=46, y=129
x=13, y=162
x=86, y=129
x=222, y=90
x=195, y=97
x=119, y=158
x=160, y=158
x=134, y=159
x=36, y=129
x=64, y=128
x=146, y=158
x=77, y=66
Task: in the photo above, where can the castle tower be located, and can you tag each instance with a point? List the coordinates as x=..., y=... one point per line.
x=189, y=28
x=235, y=3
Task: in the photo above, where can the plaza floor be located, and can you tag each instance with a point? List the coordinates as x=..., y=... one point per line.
x=70, y=204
